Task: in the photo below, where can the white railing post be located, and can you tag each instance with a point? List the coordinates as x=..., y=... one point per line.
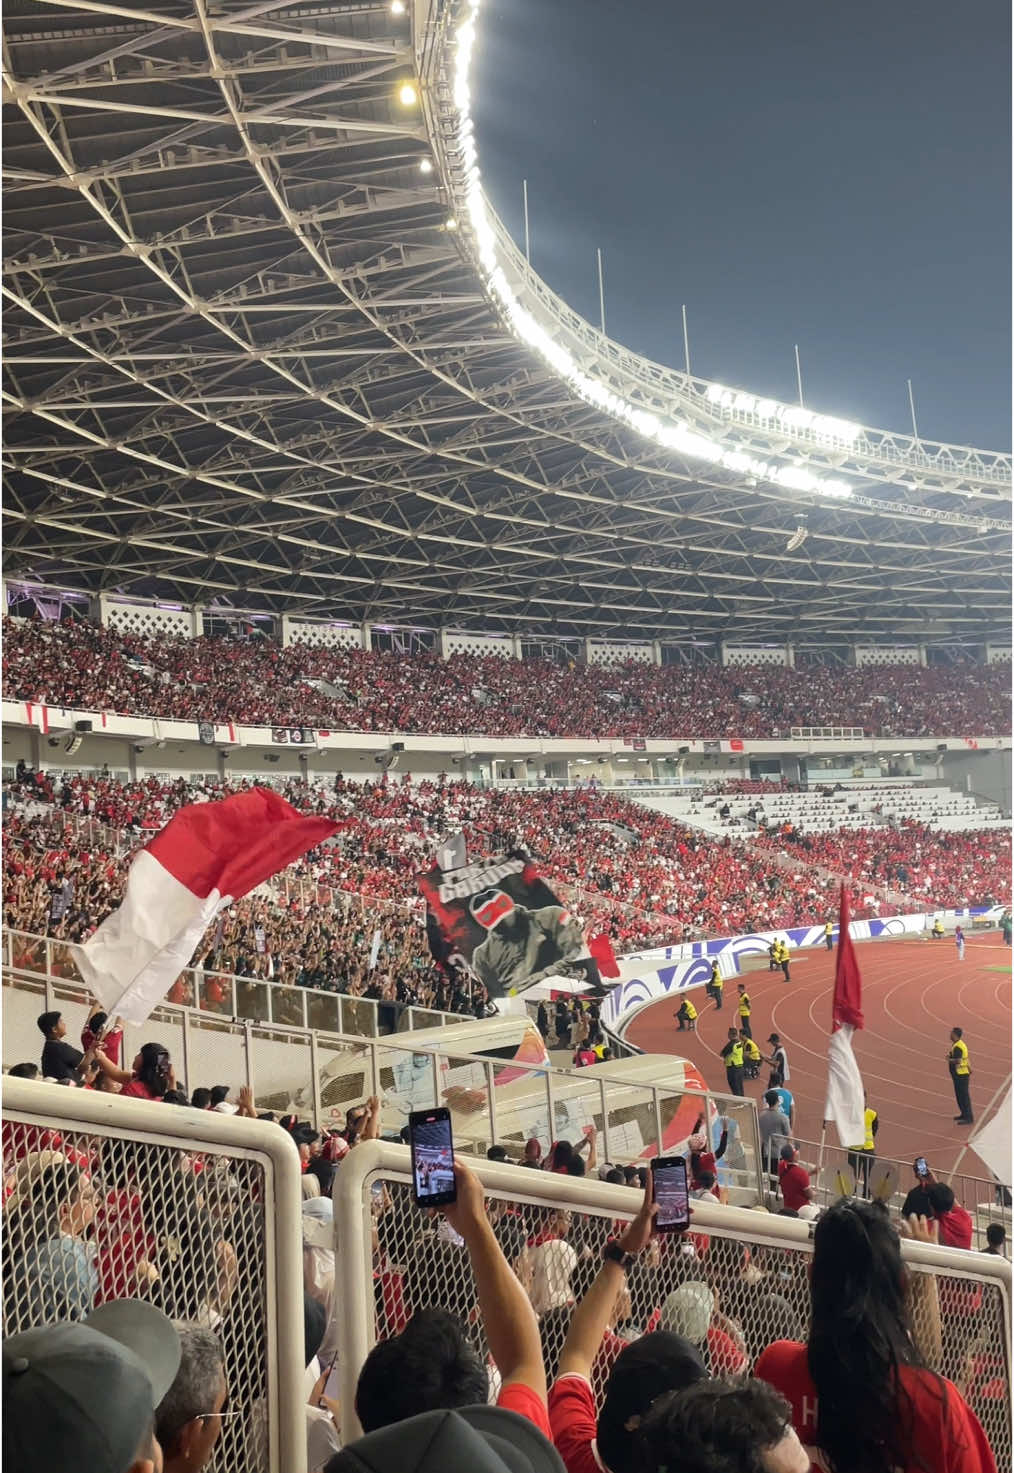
x=186, y=1049
x=491, y=1098
x=658, y=1119
x=605, y=1121
x=435, y=1059
x=315, y=1077
x=248, y=1058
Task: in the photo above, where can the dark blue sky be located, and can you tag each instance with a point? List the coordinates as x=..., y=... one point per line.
x=832, y=174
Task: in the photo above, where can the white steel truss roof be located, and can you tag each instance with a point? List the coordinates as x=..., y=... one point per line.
x=246, y=360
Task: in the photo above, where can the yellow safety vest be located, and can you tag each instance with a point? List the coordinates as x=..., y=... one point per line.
x=716, y=978
x=828, y=928
x=961, y=1065
x=868, y=1142
x=744, y=1005
x=691, y=1011
x=734, y=1059
x=750, y=1049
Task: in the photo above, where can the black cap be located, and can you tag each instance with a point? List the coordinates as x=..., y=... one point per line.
x=644, y=1371
x=481, y=1439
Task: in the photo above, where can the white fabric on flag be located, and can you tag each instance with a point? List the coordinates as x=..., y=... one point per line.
x=375, y=949
x=845, y=1105
x=992, y=1142
x=138, y=952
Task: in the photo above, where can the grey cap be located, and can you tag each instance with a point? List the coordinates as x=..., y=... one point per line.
x=483, y=1439
x=83, y=1395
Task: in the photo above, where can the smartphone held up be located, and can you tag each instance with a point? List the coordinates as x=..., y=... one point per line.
x=429, y=1135
x=672, y=1194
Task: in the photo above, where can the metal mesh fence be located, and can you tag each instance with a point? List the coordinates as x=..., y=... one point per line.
x=96, y=1211
x=732, y=1289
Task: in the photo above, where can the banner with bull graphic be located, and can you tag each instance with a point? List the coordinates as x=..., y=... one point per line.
x=501, y=920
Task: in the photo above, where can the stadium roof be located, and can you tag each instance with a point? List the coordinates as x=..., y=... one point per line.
x=265, y=345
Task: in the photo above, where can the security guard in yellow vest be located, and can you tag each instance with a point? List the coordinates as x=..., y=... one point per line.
x=782, y=957
x=861, y=1158
x=686, y=1016
x=938, y=929
x=715, y=985
x=732, y=1053
x=743, y=1007
x=961, y=1074
x=829, y=935
x=751, y=1056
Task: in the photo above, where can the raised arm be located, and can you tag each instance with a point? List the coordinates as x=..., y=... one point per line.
x=590, y=1318
x=507, y=1315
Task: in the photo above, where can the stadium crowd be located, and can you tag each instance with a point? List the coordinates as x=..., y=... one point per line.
x=622, y=1347
x=637, y=876
x=255, y=682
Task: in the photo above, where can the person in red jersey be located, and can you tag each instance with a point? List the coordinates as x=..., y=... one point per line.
x=862, y=1398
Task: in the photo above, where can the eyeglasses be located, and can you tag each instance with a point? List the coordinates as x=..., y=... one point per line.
x=223, y=1414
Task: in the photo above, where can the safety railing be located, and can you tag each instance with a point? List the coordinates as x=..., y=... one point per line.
x=751, y=1268
x=227, y=996
x=319, y=1075
x=195, y=1211
x=837, y=1172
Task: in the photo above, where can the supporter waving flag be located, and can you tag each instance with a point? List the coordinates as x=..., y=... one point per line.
x=207, y=856
x=845, y=1099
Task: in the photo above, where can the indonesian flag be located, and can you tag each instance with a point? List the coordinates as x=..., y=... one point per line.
x=207, y=856
x=600, y=949
x=846, y=1103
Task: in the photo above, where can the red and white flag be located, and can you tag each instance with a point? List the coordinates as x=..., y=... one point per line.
x=846, y=1103
x=600, y=949
x=207, y=856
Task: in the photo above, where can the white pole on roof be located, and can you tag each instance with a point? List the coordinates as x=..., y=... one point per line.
x=686, y=341
x=602, y=297
x=528, y=239
x=799, y=376
x=911, y=406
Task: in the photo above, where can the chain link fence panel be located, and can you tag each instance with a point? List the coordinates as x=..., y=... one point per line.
x=735, y=1283
x=198, y=1214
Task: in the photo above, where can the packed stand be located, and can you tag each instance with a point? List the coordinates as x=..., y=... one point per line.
x=508, y=1335
x=255, y=682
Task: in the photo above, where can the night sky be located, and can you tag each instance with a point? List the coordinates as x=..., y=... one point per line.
x=832, y=174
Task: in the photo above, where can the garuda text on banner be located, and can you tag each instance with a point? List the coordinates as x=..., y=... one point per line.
x=502, y=920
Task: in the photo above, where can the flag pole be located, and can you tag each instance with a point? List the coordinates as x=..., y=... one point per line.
x=820, y=1153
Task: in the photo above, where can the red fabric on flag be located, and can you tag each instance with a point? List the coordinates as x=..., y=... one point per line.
x=848, y=988
x=235, y=845
x=735, y=744
x=600, y=949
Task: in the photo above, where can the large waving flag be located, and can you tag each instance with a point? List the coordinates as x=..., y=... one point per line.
x=207, y=856
x=845, y=1100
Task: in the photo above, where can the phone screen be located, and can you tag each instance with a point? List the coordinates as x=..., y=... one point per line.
x=429, y=1134
x=669, y=1175
x=921, y=1168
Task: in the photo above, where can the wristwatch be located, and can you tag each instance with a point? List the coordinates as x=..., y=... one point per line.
x=613, y=1253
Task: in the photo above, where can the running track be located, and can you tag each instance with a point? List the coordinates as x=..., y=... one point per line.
x=914, y=992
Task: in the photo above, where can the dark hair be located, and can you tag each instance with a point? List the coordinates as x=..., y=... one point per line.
x=657, y=1363
x=859, y=1340
x=47, y=1022
x=24, y=1071
x=497, y=1153
x=324, y=1171
x=615, y=1176
x=996, y=1234
x=561, y=1154
x=957, y=1031
x=97, y=1022
x=575, y=1166
x=940, y=1196
x=175, y=1097
x=314, y=1327
x=706, y=1179
x=771, y=1097
x=713, y=1427
x=219, y=1094
x=430, y=1366
x=201, y=1099
x=155, y=1068
x=787, y=1153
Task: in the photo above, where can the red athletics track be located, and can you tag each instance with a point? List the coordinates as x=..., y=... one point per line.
x=914, y=992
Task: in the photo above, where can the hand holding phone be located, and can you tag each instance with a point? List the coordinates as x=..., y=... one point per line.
x=921, y=1168
x=672, y=1195
x=429, y=1136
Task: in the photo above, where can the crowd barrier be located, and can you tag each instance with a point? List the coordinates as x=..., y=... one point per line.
x=677, y=968
x=228, y=996
x=391, y=1259
x=319, y=1075
x=836, y=1172
x=197, y=1212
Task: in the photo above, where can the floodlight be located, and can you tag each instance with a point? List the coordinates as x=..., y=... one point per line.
x=425, y=166
x=397, y=7
x=407, y=95
x=450, y=223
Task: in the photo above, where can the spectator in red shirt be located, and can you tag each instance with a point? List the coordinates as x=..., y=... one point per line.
x=95, y=1033
x=432, y=1364
x=652, y=1365
x=794, y=1181
x=152, y=1075
x=954, y=1223
x=862, y=1400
